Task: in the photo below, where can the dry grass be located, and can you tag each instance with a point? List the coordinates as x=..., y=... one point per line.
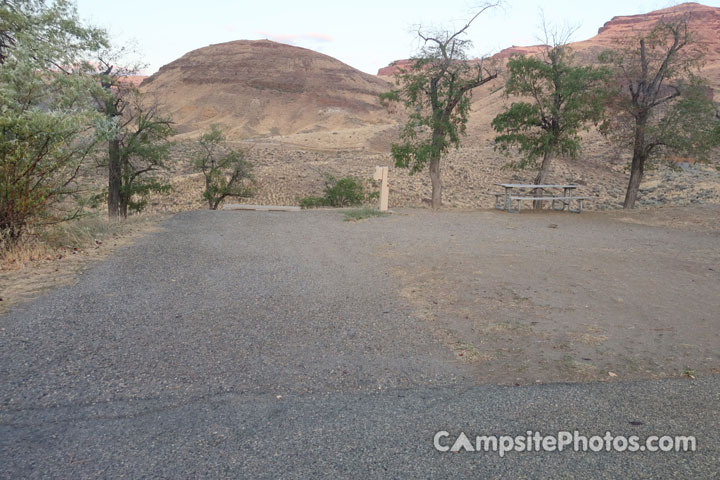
x=53, y=256
x=54, y=242
x=18, y=255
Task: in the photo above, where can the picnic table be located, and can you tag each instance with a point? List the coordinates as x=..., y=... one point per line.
x=520, y=192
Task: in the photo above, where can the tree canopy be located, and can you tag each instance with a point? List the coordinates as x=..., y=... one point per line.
x=562, y=100
x=436, y=89
x=660, y=103
x=47, y=115
x=227, y=172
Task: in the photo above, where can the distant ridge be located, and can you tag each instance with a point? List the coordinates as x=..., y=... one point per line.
x=704, y=21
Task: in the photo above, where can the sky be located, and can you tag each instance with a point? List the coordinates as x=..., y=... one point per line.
x=366, y=34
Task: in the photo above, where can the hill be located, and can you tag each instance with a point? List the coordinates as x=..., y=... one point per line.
x=256, y=88
x=704, y=22
x=306, y=115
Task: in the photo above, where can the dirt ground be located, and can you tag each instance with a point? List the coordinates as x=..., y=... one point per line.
x=547, y=297
x=533, y=297
x=27, y=280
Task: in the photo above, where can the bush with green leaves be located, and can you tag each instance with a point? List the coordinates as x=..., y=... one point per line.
x=227, y=172
x=47, y=114
x=343, y=192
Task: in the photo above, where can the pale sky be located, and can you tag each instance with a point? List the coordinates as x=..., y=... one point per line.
x=366, y=34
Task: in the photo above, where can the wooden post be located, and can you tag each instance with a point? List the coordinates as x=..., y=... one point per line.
x=381, y=174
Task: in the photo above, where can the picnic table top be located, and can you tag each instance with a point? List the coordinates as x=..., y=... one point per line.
x=526, y=185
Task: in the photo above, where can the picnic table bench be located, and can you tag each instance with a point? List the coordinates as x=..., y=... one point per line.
x=518, y=193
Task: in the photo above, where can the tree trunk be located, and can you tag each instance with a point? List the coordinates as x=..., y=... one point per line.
x=115, y=178
x=436, y=182
x=638, y=163
x=636, y=174
x=124, y=207
x=207, y=189
x=542, y=175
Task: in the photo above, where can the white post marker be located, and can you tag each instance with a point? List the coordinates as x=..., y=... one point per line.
x=381, y=174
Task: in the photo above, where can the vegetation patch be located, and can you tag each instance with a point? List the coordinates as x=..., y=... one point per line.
x=362, y=213
x=343, y=192
x=227, y=173
x=55, y=242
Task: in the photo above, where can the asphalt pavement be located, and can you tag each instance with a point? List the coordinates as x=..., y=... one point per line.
x=274, y=345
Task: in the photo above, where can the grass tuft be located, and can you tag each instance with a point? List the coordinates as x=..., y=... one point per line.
x=363, y=213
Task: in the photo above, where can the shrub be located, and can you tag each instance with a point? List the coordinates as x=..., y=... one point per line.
x=46, y=112
x=344, y=192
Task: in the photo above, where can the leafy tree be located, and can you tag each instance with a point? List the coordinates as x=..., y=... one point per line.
x=436, y=88
x=137, y=136
x=46, y=112
x=563, y=99
x=138, y=146
x=227, y=173
x=661, y=105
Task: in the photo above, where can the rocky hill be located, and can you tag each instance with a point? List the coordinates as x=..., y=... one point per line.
x=134, y=80
x=704, y=22
x=301, y=115
x=256, y=88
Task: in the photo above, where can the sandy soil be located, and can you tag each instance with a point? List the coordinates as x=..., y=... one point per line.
x=546, y=297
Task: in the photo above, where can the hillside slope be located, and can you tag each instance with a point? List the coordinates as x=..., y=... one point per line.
x=256, y=88
x=704, y=22
x=302, y=115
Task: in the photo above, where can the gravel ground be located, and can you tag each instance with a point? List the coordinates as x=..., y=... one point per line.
x=265, y=345
x=556, y=297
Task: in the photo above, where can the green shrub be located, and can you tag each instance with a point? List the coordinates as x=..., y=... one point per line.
x=344, y=192
x=227, y=173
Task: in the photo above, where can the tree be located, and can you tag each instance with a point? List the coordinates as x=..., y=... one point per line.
x=46, y=113
x=661, y=105
x=138, y=146
x=227, y=173
x=136, y=133
x=563, y=99
x=436, y=88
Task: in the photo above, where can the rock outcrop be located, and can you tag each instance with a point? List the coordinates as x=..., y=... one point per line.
x=704, y=22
